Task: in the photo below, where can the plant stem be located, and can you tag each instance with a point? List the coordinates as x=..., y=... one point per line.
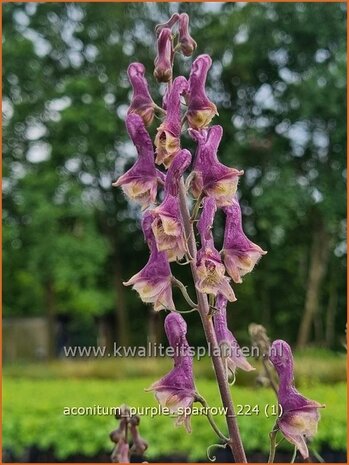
x=234, y=442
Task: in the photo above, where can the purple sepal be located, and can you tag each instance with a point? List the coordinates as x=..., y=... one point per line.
x=299, y=415
x=141, y=102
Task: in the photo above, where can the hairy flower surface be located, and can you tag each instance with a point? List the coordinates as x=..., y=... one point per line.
x=200, y=109
x=176, y=390
x=153, y=282
x=300, y=416
x=168, y=25
x=210, y=269
x=141, y=103
x=187, y=43
x=167, y=140
x=231, y=352
x=209, y=175
x=240, y=255
x=167, y=224
x=163, y=60
x=140, y=182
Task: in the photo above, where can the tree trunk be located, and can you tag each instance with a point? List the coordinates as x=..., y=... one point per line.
x=317, y=271
x=51, y=320
x=122, y=327
x=331, y=314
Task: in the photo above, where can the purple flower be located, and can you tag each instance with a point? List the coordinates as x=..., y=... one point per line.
x=187, y=43
x=176, y=390
x=240, y=255
x=168, y=25
x=200, y=109
x=140, y=182
x=163, y=60
x=153, y=282
x=167, y=140
x=167, y=224
x=210, y=269
x=121, y=452
x=141, y=103
x=231, y=352
x=300, y=416
x=209, y=176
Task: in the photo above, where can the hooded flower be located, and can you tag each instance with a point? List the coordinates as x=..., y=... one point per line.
x=141, y=103
x=240, y=255
x=167, y=223
x=210, y=269
x=200, y=109
x=176, y=390
x=140, y=182
x=153, y=282
x=163, y=60
x=231, y=352
x=168, y=25
x=299, y=415
x=167, y=140
x=187, y=43
x=209, y=176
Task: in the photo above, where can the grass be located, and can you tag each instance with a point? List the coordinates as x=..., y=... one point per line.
x=310, y=369
x=33, y=415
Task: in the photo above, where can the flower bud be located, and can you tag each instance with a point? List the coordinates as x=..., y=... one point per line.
x=163, y=60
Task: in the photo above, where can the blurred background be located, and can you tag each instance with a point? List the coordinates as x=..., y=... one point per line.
x=69, y=239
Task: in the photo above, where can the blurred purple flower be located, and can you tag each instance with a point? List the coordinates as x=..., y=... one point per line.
x=240, y=255
x=210, y=269
x=167, y=140
x=200, y=109
x=231, y=352
x=176, y=390
x=141, y=102
x=163, y=60
x=168, y=25
x=140, y=182
x=187, y=43
x=209, y=176
x=153, y=282
x=167, y=224
x=299, y=415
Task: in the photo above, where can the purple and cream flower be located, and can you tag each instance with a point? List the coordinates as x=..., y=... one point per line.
x=187, y=43
x=200, y=109
x=210, y=269
x=167, y=140
x=167, y=224
x=230, y=350
x=299, y=415
x=141, y=103
x=209, y=175
x=140, y=182
x=163, y=60
x=153, y=282
x=176, y=390
x=240, y=255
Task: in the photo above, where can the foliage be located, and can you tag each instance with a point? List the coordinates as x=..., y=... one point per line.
x=33, y=415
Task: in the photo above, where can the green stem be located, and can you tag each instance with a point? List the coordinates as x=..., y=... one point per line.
x=210, y=418
x=272, y=436
x=184, y=292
